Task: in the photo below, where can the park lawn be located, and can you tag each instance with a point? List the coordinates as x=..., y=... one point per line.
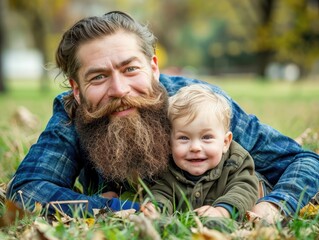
x=289, y=107
x=28, y=94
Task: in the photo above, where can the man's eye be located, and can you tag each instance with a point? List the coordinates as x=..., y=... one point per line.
x=130, y=69
x=99, y=77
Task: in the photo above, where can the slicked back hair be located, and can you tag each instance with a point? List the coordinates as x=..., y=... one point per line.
x=91, y=28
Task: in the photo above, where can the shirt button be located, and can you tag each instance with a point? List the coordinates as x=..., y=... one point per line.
x=197, y=194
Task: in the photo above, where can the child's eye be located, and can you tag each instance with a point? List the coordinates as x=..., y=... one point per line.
x=182, y=138
x=207, y=137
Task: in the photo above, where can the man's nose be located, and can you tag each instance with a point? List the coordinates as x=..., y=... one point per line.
x=118, y=86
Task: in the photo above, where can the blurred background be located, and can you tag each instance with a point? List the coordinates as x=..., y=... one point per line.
x=263, y=53
x=270, y=39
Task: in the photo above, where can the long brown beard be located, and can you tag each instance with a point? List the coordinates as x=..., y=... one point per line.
x=124, y=148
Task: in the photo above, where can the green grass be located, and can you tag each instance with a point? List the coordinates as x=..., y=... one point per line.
x=290, y=108
x=27, y=93
x=15, y=140
x=181, y=225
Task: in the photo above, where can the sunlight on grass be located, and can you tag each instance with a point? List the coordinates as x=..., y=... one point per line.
x=290, y=108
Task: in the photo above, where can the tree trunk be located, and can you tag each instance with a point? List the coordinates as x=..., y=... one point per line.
x=264, y=53
x=2, y=34
x=39, y=33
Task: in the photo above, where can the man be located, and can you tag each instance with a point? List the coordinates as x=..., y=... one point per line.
x=112, y=127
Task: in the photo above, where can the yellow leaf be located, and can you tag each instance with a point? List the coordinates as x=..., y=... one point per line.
x=90, y=221
x=309, y=211
x=208, y=234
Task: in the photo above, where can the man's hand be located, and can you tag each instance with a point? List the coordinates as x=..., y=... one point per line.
x=267, y=211
x=150, y=211
x=209, y=211
x=109, y=194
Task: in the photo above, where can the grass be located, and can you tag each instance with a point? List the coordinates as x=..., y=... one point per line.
x=289, y=107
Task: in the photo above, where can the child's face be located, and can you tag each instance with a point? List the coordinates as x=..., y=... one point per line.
x=199, y=145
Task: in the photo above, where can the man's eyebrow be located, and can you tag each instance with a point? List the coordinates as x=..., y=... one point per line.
x=127, y=61
x=94, y=70
x=102, y=69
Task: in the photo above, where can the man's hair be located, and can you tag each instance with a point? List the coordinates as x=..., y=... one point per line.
x=190, y=100
x=91, y=28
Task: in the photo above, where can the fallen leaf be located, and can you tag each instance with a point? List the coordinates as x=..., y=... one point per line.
x=12, y=214
x=207, y=234
x=24, y=118
x=309, y=211
x=145, y=226
x=252, y=217
x=90, y=221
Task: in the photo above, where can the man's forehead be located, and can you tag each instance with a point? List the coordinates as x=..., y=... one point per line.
x=115, y=47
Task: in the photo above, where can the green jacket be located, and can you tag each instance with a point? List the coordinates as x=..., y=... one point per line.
x=232, y=182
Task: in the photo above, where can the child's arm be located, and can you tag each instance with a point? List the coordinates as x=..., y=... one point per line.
x=150, y=211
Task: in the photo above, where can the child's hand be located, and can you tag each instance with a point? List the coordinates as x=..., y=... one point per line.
x=110, y=194
x=209, y=211
x=150, y=211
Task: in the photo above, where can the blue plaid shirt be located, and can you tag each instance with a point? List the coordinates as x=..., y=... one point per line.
x=50, y=169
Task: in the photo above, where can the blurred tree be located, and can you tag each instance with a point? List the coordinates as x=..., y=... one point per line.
x=214, y=36
x=257, y=18
x=296, y=33
x=40, y=14
x=264, y=50
x=2, y=34
x=282, y=31
x=34, y=11
x=232, y=35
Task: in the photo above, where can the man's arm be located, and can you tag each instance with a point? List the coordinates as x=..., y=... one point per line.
x=49, y=170
x=293, y=171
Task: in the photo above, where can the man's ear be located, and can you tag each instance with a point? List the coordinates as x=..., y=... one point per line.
x=76, y=90
x=227, y=140
x=154, y=66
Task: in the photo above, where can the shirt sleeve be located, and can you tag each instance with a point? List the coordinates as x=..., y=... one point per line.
x=280, y=159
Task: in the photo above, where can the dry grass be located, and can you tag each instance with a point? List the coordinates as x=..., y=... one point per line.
x=291, y=108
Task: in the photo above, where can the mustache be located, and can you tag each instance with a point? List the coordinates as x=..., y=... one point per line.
x=140, y=102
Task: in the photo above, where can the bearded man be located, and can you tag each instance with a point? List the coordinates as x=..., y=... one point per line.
x=126, y=148
x=112, y=127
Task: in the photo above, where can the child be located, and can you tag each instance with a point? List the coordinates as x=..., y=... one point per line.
x=214, y=174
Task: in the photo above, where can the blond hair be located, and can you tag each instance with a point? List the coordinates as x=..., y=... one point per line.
x=190, y=100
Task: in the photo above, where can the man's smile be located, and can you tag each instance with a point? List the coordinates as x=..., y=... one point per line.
x=123, y=111
x=122, y=108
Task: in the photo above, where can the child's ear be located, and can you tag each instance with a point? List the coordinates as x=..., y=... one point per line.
x=227, y=140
